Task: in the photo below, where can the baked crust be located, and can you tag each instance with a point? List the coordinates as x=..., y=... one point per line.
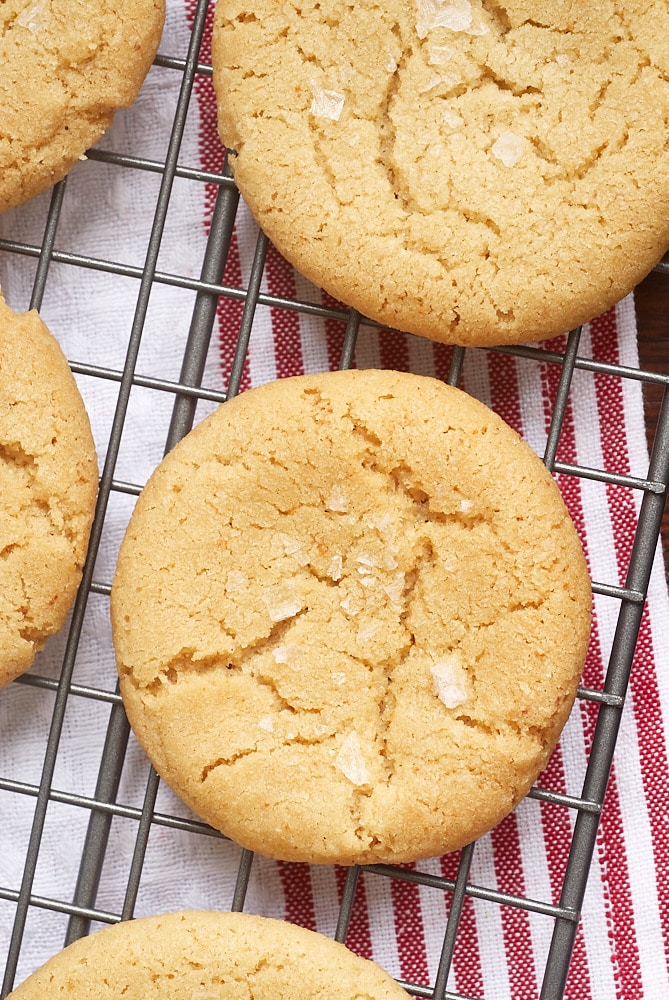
x=48, y=485
x=474, y=173
x=350, y=614
x=65, y=68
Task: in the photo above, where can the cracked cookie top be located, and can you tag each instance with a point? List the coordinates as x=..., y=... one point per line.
x=474, y=172
x=65, y=68
x=202, y=955
x=350, y=613
x=48, y=483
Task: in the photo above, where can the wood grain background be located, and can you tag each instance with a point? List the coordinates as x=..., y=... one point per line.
x=652, y=308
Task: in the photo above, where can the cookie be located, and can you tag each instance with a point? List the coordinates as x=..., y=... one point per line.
x=476, y=173
x=202, y=954
x=48, y=484
x=350, y=613
x=65, y=68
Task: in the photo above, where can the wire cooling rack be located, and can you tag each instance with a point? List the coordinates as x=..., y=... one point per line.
x=74, y=917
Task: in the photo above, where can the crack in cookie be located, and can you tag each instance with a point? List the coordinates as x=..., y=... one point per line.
x=489, y=173
x=383, y=603
x=48, y=483
x=64, y=71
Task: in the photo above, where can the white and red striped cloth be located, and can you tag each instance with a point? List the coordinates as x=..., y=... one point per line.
x=622, y=943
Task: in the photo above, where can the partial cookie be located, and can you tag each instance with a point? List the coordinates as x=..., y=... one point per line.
x=48, y=484
x=474, y=172
x=199, y=954
x=350, y=613
x=65, y=68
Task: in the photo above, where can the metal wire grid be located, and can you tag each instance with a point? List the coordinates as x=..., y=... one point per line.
x=103, y=807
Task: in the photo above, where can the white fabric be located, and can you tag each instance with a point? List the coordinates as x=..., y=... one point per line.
x=107, y=213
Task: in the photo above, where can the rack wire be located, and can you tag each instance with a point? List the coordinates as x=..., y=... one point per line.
x=185, y=393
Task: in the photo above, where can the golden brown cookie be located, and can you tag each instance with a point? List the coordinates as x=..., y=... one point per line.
x=350, y=613
x=48, y=483
x=474, y=172
x=65, y=67
x=201, y=955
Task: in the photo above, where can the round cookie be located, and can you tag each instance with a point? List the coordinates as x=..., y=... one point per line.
x=201, y=954
x=350, y=613
x=65, y=68
x=477, y=173
x=48, y=484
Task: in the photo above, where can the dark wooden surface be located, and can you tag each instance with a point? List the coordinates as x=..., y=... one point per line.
x=652, y=308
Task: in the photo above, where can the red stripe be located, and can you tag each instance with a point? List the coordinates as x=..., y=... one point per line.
x=358, y=936
x=556, y=829
x=505, y=400
x=515, y=922
x=335, y=332
x=394, y=350
x=210, y=150
x=643, y=681
x=504, y=391
x=466, y=957
x=298, y=894
x=610, y=839
x=466, y=954
x=555, y=820
x=409, y=932
x=610, y=843
x=443, y=356
x=285, y=322
x=228, y=311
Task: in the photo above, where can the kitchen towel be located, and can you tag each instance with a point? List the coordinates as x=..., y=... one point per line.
x=106, y=218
